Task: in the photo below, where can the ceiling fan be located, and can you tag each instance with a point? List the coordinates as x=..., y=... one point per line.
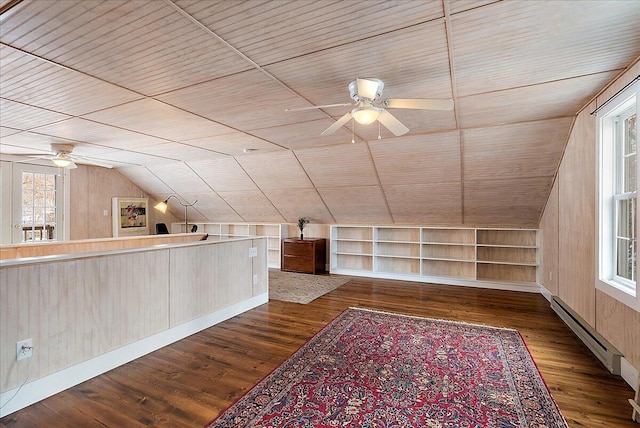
x=63, y=158
x=368, y=107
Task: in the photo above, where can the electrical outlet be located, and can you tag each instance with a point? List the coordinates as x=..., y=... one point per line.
x=24, y=349
x=253, y=252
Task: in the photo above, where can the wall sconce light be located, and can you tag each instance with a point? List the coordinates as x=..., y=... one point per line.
x=162, y=207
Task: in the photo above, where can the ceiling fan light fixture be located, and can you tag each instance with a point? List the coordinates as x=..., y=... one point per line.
x=366, y=115
x=61, y=160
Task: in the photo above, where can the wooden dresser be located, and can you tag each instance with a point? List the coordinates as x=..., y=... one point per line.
x=304, y=255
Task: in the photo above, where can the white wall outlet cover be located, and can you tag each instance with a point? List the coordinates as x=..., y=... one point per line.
x=253, y=252
x=24, y=349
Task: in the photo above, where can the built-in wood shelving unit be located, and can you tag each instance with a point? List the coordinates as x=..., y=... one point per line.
x=498, y=258
x=273, y=231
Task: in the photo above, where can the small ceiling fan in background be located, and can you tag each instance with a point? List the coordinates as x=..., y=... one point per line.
x=61, y=156
x=368, y=107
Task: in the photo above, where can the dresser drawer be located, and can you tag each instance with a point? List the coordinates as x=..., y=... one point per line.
x=303, y=249
x=297, y=264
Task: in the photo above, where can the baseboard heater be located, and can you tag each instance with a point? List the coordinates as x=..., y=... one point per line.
x=603, y=350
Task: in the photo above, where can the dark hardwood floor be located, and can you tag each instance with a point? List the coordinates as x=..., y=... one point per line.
x=188, y=383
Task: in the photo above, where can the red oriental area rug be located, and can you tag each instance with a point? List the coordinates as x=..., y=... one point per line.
x=377, y=369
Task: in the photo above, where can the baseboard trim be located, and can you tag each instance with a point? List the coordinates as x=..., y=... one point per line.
x=39, y=389
x=630, y=374
x=527, y=287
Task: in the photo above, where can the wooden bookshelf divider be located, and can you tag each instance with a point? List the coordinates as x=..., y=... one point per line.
x=273, y=231
x=489, y=257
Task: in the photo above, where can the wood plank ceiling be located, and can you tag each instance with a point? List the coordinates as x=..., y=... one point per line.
x=171, y=92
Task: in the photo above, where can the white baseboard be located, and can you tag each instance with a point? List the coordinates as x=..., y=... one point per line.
x=629, y=373
x=54, y=383
x=546, y=293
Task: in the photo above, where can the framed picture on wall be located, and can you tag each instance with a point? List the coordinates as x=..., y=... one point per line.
x=130, y=216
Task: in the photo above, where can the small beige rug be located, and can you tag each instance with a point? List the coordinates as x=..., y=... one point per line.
x=301, y=287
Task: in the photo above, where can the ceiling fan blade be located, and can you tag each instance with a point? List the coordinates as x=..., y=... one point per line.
x=419, y=103
x=392, y=124
x=367, y=88
x=88, y=161
x=337, y=124
x=314, y=107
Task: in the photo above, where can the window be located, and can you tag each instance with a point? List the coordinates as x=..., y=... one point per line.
x=617, y=197
x=38, y=196
x=38, y=206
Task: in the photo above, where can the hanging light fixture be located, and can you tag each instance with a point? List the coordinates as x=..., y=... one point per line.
x=61, y=160
x=366, y=115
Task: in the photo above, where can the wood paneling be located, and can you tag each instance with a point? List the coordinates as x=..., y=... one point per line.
x=357, y=204
x=344, y=165
x=154, y=35
x=515, y=202
x=210, y=273
x=154, y=83
x=91, y=191
x=233, y=144
x=253, y=204
x=420, y=159
x=309, y=27
x=293, y=204
x=145, y=179
x=205, y=373
x=618, y=84
x=514, y=151
x=152, y=117
x=278, y=170
x=261, y=266
x=210, y=207
x=437, y=203
x=223, y=175
x=79, y=309
x=180, y=152
x=619, y=324
x=491, y=57
x=306, y=134
x=530, y=103
x=83, y=130
x=237, y=99
x=549, y=269
x=576, y=211
x=182, y=178
x=61, y=90
x=35, y=249
x=24, y=116
x=83, y=307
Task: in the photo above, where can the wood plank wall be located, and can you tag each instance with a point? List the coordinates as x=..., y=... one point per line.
x=549, y=269
x=576, y=221
x=91, y=189
x=575, y=256
x=78, y=309
x=17, y=251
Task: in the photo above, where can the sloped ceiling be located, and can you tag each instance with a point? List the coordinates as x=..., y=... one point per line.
x=172, y=93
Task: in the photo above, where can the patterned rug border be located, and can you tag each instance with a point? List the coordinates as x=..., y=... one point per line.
x=346, y=311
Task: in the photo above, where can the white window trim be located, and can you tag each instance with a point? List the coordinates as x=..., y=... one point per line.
x=604, y=211
x=6, y=187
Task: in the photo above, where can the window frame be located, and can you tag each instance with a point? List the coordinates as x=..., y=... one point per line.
x=608, y=161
